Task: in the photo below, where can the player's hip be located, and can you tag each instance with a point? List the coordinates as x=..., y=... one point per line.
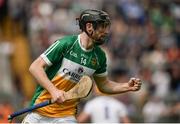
x=38, y=118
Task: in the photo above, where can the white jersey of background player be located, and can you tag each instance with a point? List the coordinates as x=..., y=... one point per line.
x=104, y=109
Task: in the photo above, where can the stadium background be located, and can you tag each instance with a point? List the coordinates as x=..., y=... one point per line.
x=144, y=42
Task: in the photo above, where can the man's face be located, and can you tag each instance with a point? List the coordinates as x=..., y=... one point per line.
x=101, y=34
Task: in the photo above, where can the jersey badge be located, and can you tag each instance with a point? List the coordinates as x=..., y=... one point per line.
x=93, y=61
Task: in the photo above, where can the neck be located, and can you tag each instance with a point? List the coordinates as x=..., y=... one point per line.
x=85, y=41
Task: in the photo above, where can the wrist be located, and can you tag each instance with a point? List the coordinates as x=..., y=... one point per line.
x=127, y=87
x=51, y=88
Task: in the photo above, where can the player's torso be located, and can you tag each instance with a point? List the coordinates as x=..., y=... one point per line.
x=75, y=63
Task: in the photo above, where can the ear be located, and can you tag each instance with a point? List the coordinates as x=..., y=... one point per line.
x=89, y=27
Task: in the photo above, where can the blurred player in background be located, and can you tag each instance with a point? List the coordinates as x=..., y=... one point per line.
x=104, y=109
x=62, y=65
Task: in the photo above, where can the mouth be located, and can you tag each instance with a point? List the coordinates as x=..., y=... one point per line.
x=104, y=37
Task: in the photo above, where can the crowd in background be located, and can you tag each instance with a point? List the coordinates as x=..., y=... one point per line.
x=144, y=42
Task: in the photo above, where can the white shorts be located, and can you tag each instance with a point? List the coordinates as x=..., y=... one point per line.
x=37, y=118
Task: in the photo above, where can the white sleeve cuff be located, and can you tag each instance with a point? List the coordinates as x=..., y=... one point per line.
x=101, y=75
x=44, y=57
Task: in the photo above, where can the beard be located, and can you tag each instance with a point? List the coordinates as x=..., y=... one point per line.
x=101, y=40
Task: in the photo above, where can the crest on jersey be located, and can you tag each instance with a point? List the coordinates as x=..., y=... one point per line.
x=80, y=70
x=93, y=61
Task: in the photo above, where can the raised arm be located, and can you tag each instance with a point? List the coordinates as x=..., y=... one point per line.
x=110, y=87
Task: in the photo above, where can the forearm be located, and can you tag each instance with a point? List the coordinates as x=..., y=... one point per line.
x=112, y=87
x=121, y=88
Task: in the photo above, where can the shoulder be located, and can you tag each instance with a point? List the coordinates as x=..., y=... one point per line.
x=69, y=37
x=119, y=104
x=68, y=40
x=98, y=100
x=93, y=101
x=99, y=52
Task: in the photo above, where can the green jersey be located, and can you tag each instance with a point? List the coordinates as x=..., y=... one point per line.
x=68, y=61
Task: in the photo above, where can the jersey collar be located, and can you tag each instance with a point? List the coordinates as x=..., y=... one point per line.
x=84, y=49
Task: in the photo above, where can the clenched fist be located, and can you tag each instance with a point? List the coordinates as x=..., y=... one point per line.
x=135, y=84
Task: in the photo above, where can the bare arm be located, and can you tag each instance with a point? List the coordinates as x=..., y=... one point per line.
x=83, y=117
x=37, y=70
x=110, y=87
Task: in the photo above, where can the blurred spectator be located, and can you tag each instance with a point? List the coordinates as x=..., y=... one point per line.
x=161, y=80
x=153, y=110
x=7, y=86
x=104, y=109
x=6, y=107
x=132, y=10
x=14, y=53
x=5, y=110
x=3, y=16
x=175, y=77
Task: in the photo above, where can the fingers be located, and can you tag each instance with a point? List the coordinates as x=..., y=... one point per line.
x=138, y=82
x=136, y=87
x=135, y=81
x=59, y=96
x=135, y=84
